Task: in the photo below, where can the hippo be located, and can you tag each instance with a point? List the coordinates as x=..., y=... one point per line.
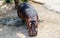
x=26, y=12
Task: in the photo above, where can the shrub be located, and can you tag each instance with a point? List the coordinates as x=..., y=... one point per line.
x=24, y=0
x=8, y=1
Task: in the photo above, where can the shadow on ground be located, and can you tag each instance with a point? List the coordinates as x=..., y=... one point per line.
x=12, y=27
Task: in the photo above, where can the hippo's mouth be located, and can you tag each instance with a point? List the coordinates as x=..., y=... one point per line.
x=32, y=32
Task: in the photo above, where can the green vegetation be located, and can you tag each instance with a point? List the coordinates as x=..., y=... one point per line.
x=8, y=1
x=25, y=0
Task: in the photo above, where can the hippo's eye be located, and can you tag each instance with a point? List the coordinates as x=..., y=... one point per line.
x=30, y=24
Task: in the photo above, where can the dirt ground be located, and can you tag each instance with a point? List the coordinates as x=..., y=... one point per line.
x=48, y=27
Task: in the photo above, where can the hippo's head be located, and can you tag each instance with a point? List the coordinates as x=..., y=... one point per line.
x=32, y=27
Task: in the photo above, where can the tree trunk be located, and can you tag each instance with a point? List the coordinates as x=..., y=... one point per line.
x=16, y=3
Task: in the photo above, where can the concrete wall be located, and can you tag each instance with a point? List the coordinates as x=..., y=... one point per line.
x=51, y=4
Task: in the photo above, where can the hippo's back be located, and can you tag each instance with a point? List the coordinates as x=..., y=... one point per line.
x=27, y=10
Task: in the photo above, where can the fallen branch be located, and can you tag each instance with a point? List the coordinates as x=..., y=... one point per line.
x=38, y=2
